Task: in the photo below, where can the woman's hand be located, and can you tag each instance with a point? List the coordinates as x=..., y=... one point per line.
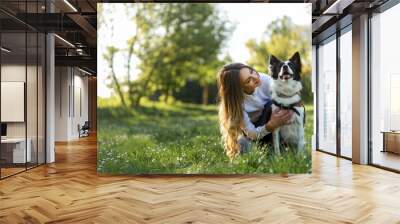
x=278, y=118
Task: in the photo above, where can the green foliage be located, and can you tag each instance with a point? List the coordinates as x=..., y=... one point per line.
x=181, y=138
x=179, y=42
x=173, y=43
x=306, y=94
x=284, y=38
x=192, y=92
x=194, y=35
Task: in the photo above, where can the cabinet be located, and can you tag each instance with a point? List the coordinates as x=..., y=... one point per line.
x=391, y=141
x=13, y=150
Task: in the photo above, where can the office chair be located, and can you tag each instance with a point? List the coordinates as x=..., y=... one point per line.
x=84, y=130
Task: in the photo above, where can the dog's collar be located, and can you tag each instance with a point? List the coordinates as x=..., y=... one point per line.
x=286, y=96
x=289, y=107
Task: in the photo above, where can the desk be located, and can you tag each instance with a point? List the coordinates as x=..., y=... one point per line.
x=16, y=147
x=391, y=141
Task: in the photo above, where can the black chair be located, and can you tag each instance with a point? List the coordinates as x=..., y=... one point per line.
x=84, y=130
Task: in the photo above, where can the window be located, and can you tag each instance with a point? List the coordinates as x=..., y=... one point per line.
x=22, y=75
x=346, y=92
x=327, y=95
x=385, y=87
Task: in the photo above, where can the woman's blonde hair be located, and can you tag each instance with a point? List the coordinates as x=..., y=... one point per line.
x=230, y=97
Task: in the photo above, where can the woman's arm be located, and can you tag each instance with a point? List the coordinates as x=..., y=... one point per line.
x=252, y=132
x=278, y=118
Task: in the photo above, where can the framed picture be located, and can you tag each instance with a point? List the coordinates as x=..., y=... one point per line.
x=204, y=88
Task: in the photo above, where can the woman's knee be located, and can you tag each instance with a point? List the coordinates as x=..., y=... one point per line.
x=244, y=144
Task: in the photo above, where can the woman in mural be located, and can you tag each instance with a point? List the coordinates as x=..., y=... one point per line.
x=245, y=113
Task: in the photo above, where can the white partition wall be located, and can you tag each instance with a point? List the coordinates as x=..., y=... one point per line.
x=71, y=102
x=13, y=101
x=14, y=143
x=32, y=74
x=22, y=101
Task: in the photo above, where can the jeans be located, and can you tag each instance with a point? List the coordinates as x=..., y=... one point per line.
x=245, y=143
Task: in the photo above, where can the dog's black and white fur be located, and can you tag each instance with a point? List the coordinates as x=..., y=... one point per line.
x=286, y=87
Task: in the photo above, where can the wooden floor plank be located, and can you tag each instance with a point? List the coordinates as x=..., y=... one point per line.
x=70, y=191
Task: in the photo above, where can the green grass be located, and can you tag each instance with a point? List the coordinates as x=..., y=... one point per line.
x=180, y=139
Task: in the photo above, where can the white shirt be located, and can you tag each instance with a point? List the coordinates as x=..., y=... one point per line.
x=253, y=105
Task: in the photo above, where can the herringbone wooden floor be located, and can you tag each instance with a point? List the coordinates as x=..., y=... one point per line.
x=70, y=191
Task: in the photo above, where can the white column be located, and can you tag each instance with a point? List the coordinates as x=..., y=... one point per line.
x=360, y=90
x=50, y=93
x=62, y=103
x=314, y=90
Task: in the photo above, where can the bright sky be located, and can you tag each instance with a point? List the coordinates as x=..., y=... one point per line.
x=251, y=20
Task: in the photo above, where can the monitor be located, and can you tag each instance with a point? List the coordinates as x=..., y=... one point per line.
x=3, y=129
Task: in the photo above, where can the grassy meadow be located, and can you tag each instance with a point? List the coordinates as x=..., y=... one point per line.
x=180, y=138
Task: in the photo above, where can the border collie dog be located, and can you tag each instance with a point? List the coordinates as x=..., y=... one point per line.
x=286, y=87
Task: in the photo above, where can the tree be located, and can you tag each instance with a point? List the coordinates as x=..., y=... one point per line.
x=283, y=39
x=172, y=42
x=109, y=55
x=144, y=24
x=194, y=35
x=208, y=75
x=115, y=84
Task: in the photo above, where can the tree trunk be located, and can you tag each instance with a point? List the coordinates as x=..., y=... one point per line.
x=128, y=68
x=167, y=88
x=137, y=100
x=131, y=93
x=141, y=93
x=205, y=94
x=116, y=83
x=166, y=95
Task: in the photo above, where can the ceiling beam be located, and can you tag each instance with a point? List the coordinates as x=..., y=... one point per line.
x=81, y=61
x=86, y=26
x=338, y=6
x=320, y=22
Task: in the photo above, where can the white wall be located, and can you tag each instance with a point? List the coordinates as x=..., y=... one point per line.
x=71, y=94
x=33, y=126
x=12, y=73
x=62, y=81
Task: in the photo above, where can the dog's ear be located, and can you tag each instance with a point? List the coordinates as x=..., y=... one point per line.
x=273, y=66
x=295, y=59
x=273, y=60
